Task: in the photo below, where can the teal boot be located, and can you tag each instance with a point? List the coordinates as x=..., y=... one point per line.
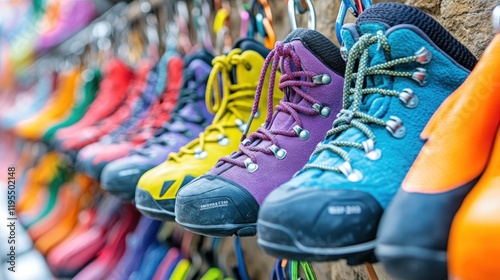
x=401, y=66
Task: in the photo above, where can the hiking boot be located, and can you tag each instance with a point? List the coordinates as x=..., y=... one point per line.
x=30, y=103
x=113, y=89
x=473, y=244
x=189, y=118
x=401, y=66
x=238, y=73
x=56, y=109
x=443, y=174
x=120, y=120
x=85, y=98
x=226, y=200
x=93, y=158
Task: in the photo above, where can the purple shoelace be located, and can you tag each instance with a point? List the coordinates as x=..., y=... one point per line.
x=293, y=78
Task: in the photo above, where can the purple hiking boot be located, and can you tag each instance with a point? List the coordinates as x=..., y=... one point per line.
x=190, y=117
x=137, y=244
x=226, y=200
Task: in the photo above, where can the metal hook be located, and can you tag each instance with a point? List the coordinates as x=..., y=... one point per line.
x=261, y=21
x=245, y=19
x=496, y=18
x=198, y=14
x=267, y=10
x=270, y=39
x=348, y=5
x=296, y=7
x=172, y=34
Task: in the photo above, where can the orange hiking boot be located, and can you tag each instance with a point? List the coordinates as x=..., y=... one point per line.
x=52, y=230
x=413, y=234
x=474, y=245
x=58, y=107
x=38, y=177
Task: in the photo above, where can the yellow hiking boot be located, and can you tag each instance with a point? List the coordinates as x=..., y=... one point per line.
x=239, y=72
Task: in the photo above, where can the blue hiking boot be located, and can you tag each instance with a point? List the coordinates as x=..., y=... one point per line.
x=402, y=65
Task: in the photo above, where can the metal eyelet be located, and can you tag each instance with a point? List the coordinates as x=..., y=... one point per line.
x=423, y=55
x=241, y=125
x=352, y=175
x=370, y=151
x=222, y=140
x=347, y=115
x=322, y=110
x=343, y=52
x=322, y=79
x=278, y=152
x=395, y=127
x=302, y=133
x=420, y=76
x=199, y=153
x=250, y=166
x=408, y=98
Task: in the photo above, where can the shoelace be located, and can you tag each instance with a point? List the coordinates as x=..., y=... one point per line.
x=231, y=101
x=292, y=79
x=188, y=95
x=351, y=115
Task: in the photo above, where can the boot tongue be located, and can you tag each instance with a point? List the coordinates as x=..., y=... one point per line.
x=247, y=44
x=200, y=65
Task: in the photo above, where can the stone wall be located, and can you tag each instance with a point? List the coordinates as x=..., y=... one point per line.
x=468, y=20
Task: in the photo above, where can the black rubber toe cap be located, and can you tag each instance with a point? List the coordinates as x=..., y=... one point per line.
x=413, y=234
x=87, y=166
x=120, y=178
x=213, y=205
x=319, y=221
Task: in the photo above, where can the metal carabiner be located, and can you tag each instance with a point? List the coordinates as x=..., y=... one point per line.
x=259, y=18
x=345, y=5
x=351, y=6
x=267, y=10
x=245, y=19
x=270, y=39
x=496, y=18
x=296, y=7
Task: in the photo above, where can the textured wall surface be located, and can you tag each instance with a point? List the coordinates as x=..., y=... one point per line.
x=468, y=20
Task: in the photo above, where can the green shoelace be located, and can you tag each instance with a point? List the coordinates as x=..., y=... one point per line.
x=351, y=116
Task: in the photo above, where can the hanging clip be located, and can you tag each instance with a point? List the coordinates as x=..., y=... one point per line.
x=263, y=22
x=496, y=18
x=354, y=8
x=297, y=7
x=221, y=28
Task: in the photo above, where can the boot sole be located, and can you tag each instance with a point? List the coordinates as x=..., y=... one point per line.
x=226, y=230
x=291, y=248
x=151, y=208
